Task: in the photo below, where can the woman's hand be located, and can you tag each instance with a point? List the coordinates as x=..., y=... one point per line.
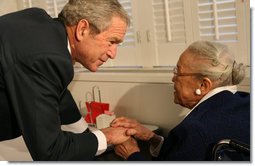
x=127, y=148
x=134, y=128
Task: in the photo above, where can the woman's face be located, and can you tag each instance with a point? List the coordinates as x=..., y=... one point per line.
x=185, y=82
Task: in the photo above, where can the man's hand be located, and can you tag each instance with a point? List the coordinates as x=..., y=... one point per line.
x=127, y=148
x=115, y=135
x=134, y=128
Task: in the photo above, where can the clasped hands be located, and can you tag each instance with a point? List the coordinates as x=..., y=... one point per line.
x=122, y=133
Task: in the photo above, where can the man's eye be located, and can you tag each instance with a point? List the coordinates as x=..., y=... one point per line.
x=110, y=43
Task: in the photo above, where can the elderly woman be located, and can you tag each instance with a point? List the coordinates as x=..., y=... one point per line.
x=205, y=80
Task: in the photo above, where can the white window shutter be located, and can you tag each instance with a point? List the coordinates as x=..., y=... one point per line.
x=161, y=30
x=55, y=6
x=172, y=33
x=34, y=3
x=130, y=36
x=169, y=21
x=52, y=7
x=218, y=20
x=221, y=21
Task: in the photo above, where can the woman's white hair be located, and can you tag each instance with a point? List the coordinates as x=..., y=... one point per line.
x=218, y=63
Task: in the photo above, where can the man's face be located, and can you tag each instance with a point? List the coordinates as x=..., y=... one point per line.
x=94, y=50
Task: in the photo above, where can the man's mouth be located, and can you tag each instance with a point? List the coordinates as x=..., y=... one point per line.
x=103, y=60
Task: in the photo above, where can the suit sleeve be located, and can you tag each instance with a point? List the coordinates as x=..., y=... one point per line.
x=182, y=142
x=35, y=87
x=69, y=112
x=137, y=156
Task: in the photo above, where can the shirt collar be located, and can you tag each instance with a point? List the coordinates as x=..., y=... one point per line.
x=68, y=46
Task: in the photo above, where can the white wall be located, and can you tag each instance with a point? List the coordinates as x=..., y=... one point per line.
x=146, y=102
x=7, y=6
x=145, y=96
x=14, y=150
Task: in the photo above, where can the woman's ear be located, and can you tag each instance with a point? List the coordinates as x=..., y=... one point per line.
x=82, y=29
x=206, y=85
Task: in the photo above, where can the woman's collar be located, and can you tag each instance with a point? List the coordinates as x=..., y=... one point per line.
x=232, y=89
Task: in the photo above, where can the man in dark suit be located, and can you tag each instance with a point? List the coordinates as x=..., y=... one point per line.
x=36, y=65
x=205, y=80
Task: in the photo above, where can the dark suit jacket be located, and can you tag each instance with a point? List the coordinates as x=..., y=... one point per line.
x=35, y=70
x=223, y=116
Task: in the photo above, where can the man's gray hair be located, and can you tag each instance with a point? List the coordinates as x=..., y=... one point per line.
x=219, y=64
x=98, y=13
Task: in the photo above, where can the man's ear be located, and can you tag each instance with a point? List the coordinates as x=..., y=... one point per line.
x=206, y=85
x=82, y=29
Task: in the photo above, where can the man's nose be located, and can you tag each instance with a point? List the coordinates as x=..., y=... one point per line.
x=173, y=78
x=112, y=51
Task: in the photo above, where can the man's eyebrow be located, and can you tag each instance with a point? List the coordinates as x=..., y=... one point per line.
x=116, y=40
x=120, y=41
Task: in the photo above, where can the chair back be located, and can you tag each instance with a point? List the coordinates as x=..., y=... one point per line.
x=231, y=150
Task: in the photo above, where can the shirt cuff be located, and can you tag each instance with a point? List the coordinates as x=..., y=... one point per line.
x=155, y=151
x=77, y=127
x=102, y=143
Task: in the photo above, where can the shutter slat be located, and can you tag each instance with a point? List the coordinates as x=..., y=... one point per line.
x=226, y=20
x=129, y=39
x=176, y=21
